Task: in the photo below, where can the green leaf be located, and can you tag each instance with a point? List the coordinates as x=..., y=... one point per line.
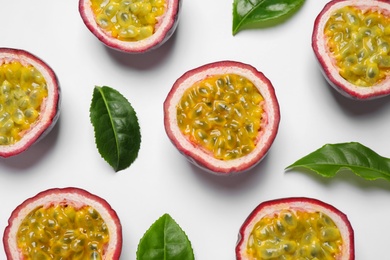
x=262, y=13
x=331, y=158
x=165, y=240
x=117, y=132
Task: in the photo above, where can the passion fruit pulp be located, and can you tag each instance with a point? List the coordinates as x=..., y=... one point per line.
x=296, y=228
x=135, y=26
x=29, y=100
x=223, y=116
x=66, y=223
x=351, y=40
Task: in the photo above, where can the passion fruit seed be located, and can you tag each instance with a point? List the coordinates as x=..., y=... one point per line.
x=222, y=113
x=295, y=234
x=128, y=20
x=63, y=232
x=360, y=42
x=22, y=91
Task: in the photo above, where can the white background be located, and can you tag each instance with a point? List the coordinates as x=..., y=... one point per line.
x=210, y=209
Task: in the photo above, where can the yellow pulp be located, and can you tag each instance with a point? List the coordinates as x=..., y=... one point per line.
x=128, y=20
x=63, y=232
x=292, y=234
x=223, y=114
x=22, y=91
x=360, y=43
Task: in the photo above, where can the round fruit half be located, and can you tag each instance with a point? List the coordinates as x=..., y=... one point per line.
x=63, y=223
x=29, y=100
x=223, y=116
x=351, y=40
x=296, y=228
x=135, y=26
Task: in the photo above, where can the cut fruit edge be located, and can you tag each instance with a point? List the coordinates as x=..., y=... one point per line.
x=270, y=207
x=328, y=65
x=164, y=29
x=66, y=196
x=206, y=160
x=49, y=112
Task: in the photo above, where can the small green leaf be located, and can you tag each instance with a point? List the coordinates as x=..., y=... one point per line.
x=331, y=158
x=117, y=132
x=165, y=240
x=262, y=13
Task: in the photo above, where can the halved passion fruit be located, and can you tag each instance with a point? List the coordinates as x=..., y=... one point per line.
x=133, y=26
x=66, y=223
x=296, y=228
x=222, y=116
x=351, y=40
x=29, y=100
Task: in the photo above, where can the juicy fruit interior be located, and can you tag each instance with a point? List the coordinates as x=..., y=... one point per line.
x=22, y=91
x=295, y=234
x=128, y=20
x=63, y=232
x=222, y=114
x=360, y=43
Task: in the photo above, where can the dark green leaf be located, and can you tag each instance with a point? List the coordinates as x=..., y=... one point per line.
x=331, y=158
x=117, y=132
x=262, y=13
x=165, y=240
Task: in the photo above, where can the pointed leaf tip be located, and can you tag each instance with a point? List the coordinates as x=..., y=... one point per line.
x=262, y=13
x=117, y=132
x=331, y=158
x=165, y=240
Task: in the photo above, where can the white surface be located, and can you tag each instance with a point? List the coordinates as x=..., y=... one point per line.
x=210, y=209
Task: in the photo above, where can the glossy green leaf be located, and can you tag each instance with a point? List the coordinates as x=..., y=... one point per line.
x=331, y=158
x=262, y=13
x=165, y=240
x=117, y=132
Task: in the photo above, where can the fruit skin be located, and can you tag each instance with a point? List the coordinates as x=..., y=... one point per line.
x=52, y=109
x=68, y=195
x=165, y=29
x=189, y=150
x=329, y=71
x=267, y=207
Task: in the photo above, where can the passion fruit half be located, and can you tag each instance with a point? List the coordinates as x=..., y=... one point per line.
x=223, y=116
x=63, y=223
x=351, y=40
x=29, y=100
x=296, y=228
x=133, y=26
